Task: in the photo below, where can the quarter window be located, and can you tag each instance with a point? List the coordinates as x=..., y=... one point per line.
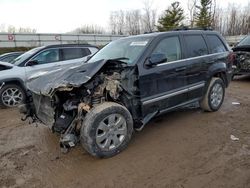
x=196, y=45
x=170, y=47
x=216, y=44
x=74, y=53
x=48, y=56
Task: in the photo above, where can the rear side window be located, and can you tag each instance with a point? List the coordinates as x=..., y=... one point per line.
x=170, y=47
x=216, y=45
x=74, y=53
x=196, y=46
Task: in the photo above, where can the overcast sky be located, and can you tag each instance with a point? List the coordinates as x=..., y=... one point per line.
x=58, y=16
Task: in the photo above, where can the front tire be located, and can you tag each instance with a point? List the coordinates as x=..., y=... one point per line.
x=214, y=96
x=11, y=95
x=106, y=130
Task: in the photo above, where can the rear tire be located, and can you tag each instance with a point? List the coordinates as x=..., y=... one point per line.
x=11, y=95
x=106, y=130
x=214, y=96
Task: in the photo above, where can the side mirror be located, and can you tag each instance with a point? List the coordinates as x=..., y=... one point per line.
x=32, y=63
x=156, y=59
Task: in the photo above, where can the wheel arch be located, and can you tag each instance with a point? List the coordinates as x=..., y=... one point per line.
x=218, y=70
x=16, y=81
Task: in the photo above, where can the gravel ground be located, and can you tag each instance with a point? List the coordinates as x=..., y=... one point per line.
x=186, y=148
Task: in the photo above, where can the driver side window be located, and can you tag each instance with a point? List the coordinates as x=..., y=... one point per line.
x=170, y=47
x=48, y=56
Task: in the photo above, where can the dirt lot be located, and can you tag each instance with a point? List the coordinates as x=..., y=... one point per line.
x=188, y=148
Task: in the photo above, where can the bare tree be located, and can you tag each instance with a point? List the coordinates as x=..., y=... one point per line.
x=133, y=25
x=89, y=29
x=13, y=29
x=245, y=17
x=218, y=20
x=234, y=20
x=117, y=22
x=121, y=22
x=26, y=30
x=149, y=17
x=192, y=10
x=213, y=12
x=112, y=23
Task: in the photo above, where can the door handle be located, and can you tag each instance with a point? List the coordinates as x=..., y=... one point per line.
x=180, y=69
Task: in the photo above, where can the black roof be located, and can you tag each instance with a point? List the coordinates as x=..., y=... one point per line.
x=68, y=45
x=189, y=31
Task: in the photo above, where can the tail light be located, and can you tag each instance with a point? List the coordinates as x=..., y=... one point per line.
x=232, y=58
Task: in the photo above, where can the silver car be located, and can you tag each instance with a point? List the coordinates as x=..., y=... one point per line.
x=37, y=62
x=9, y=57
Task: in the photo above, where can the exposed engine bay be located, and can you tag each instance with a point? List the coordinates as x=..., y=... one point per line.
x=242, y=62
x=65, y=109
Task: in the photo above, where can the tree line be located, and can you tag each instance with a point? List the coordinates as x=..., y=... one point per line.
x=233, y=20
x=12, y=29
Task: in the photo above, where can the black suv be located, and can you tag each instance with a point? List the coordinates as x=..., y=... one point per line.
x=127, y=83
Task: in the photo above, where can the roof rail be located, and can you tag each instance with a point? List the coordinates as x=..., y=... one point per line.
x=184, y=28
x=148, y=32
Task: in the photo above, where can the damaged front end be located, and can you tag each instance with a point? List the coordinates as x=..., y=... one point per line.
x=242, y=62
x=67, y=97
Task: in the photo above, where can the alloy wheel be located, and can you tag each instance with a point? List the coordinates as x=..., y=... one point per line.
x=111, y=132
x=12, y=97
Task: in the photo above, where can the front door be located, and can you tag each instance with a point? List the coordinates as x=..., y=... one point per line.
x=164, y=85
x=47, y=60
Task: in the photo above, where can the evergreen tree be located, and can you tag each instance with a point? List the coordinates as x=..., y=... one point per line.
x=172, y=18
x=203, y=17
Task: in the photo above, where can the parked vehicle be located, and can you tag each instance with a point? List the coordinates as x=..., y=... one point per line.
x=9, y=57
x=127, y=83
x=242, y=60
x=34, y=63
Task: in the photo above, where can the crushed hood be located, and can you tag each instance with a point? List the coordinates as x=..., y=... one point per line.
x=245, y=48
x=48, y=82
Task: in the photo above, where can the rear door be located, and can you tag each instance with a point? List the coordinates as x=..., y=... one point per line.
x=218, y=50
x=73, y=56
x=196, y=54
x=164, y=86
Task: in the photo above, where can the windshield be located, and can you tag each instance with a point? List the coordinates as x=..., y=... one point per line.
x=245, y=41
x=25, y=56
x=126, y=50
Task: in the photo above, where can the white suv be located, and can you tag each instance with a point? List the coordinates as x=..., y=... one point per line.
x=37, y=62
